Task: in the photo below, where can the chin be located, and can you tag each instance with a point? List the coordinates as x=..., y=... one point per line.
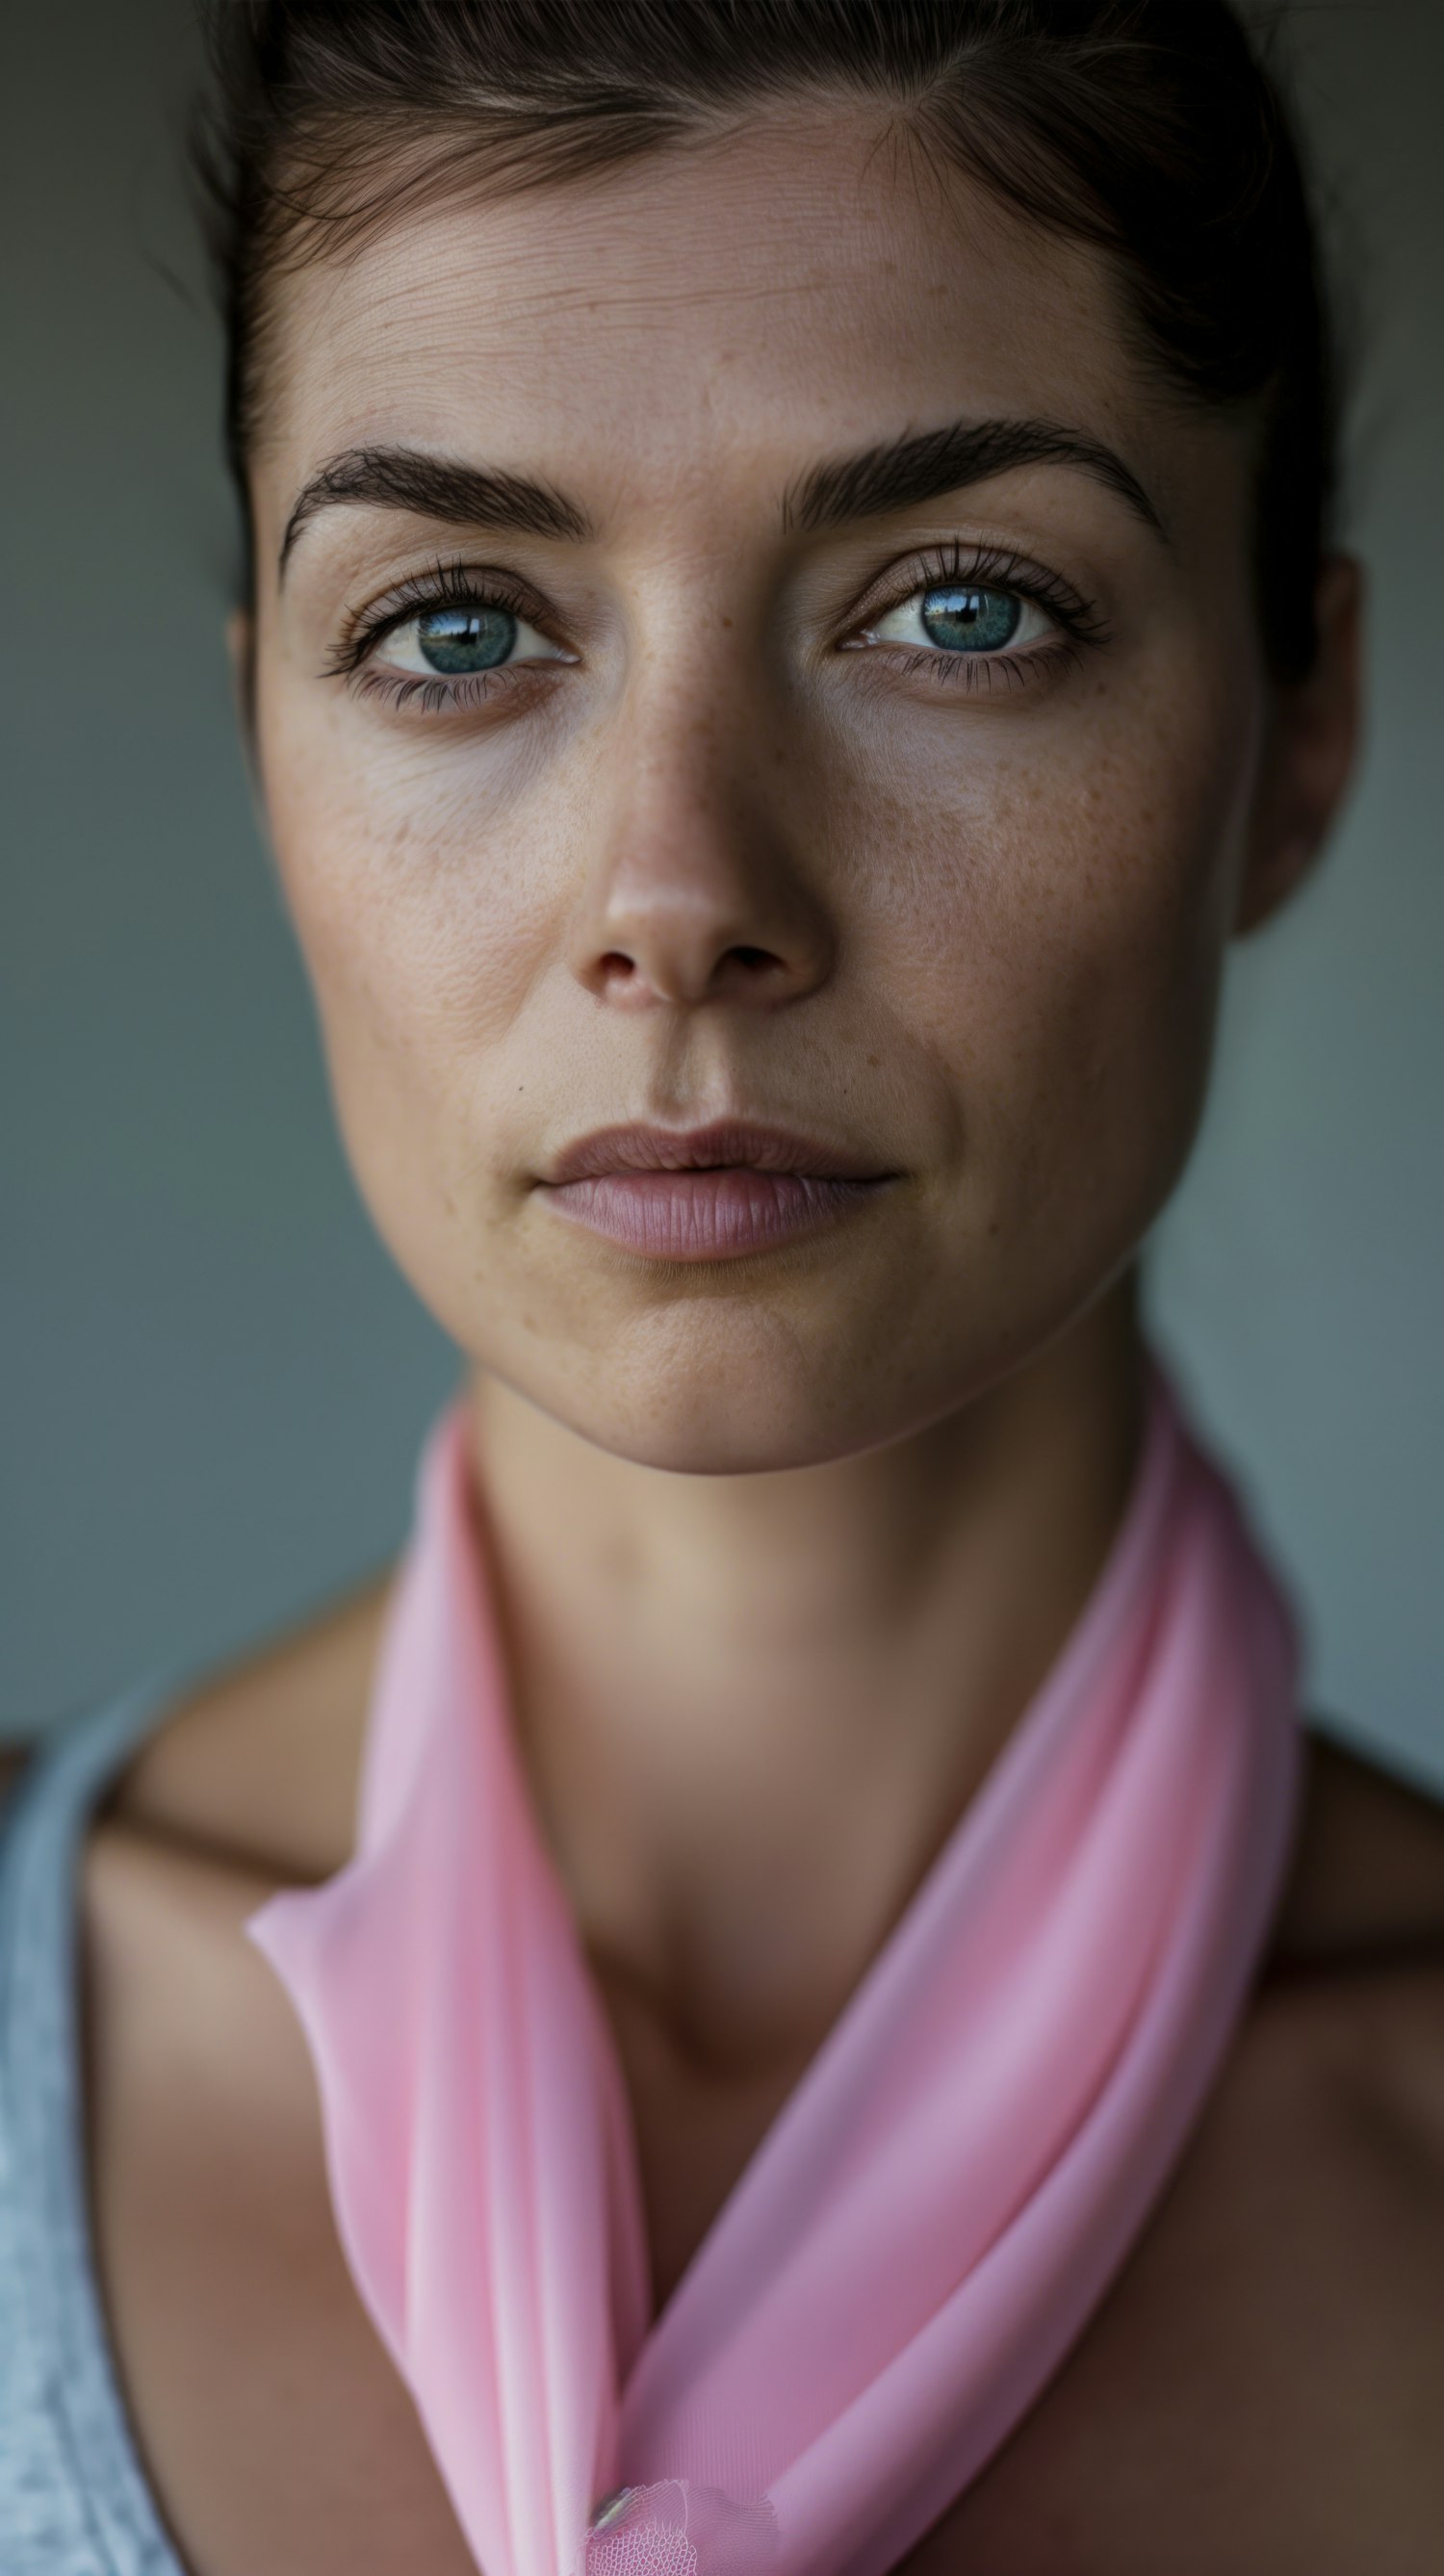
x=688, y=1441
x=748, y=1402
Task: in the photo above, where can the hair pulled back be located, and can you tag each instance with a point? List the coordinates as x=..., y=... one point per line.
x=1147, y=128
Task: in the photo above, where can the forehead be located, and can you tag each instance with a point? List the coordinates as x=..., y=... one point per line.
x=811, y=281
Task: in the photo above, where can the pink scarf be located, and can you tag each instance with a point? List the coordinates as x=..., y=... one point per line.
x=949, y=2189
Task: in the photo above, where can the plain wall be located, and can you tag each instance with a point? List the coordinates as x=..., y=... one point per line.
x=214, y=1384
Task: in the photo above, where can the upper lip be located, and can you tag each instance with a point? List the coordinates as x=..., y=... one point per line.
x=726, y=1142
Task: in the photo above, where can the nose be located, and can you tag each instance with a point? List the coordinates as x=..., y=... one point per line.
x=698, y=890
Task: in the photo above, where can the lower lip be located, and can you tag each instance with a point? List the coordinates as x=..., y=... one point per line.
x=707, y=1215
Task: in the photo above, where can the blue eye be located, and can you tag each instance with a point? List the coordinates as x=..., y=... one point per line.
x=462, y=639
x=458, y=640
x=961, y=619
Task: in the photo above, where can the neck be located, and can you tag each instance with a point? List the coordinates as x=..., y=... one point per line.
x=752, y=1708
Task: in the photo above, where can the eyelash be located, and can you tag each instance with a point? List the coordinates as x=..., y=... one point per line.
x=990, y=568
x=445, y=584
x=452, y=583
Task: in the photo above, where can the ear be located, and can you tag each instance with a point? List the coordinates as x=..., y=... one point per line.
x=1309, y=752
x=241, y=653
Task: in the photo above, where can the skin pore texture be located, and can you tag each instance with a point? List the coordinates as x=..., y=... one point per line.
x=785, y=1541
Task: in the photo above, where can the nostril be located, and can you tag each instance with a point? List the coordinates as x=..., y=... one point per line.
x=679, y=972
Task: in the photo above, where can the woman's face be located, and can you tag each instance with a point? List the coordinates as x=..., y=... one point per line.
x=754, y=646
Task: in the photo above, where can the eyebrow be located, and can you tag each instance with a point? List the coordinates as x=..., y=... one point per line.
x=907, y=471
x=433, y=487
x=899, y=474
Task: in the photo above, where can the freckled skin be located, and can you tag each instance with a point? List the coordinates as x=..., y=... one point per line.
x=717, y=861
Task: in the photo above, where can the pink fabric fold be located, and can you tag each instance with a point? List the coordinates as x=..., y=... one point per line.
x=950, y=2188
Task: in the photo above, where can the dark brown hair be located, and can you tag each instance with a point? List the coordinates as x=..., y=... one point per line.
x=1151, y=129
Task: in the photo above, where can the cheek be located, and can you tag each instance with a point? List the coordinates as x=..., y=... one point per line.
x=421, y=916
x=1056, y=900
x=418, y=892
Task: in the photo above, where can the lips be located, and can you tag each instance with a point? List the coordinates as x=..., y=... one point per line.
x=727, y=1144
x=707, y=1193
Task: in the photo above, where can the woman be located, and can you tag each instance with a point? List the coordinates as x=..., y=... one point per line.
x=794, y=616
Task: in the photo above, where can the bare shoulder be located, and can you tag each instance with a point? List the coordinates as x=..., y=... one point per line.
x=255, y=1771
x=1352, y=1997
x=1367, y=1876
x=249, y=1783
x=259, y=1764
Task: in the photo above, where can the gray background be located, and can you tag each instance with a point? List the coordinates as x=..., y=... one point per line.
x=214, y=1384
